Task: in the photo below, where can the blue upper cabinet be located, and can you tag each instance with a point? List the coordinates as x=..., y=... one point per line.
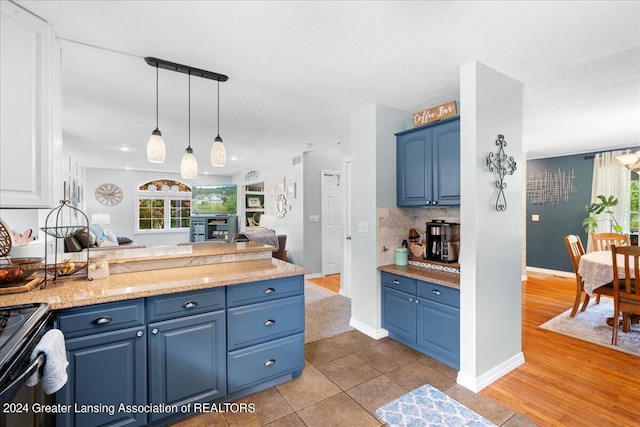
x=428, y=165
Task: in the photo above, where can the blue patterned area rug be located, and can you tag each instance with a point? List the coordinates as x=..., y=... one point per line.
x=428, y=406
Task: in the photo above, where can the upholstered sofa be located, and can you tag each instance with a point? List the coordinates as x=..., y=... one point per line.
x=97, y=238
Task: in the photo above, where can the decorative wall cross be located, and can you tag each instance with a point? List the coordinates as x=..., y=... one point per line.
x=503, y=165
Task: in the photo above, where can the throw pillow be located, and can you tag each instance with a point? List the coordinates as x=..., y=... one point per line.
x=124, y=240
x=71, y=244
x=98, y=231
x=86, y=238
x=108, y=235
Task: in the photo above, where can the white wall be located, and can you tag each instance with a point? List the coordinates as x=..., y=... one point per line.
x=292, y=223
x=373, y=166
x=123, y=215
x=314, y=162
x=490, y=279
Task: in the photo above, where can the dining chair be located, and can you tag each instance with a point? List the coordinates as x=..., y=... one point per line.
x=626, y=295
x=576, y=250
x=603, y=241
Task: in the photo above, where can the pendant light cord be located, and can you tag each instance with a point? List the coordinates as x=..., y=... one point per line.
x=218, y=107
x=156, y=97
x=189, y=109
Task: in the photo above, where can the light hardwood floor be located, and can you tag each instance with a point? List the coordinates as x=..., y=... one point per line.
x=331, y=282
x=566, y=381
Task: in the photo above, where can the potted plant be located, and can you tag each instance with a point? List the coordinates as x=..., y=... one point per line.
x=605, y=205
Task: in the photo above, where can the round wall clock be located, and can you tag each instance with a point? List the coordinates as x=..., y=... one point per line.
x=109, y=194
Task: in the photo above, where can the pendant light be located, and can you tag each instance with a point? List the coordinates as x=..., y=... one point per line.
x=156, y=149
x=189, y=164
x=218, y=150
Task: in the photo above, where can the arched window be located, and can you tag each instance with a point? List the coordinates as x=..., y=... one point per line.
x=163, y=205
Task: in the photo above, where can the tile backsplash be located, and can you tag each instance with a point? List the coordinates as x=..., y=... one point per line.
x=394, y=224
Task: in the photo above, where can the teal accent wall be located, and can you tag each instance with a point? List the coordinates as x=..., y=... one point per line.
x=545, y=244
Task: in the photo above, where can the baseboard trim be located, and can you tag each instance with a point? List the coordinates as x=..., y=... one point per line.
x=477, y=384
x=312, y=276
x=553, y=272
x=368, y=330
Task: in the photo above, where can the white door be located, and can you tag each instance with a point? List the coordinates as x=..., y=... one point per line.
x=345, y=277
x=331, y=223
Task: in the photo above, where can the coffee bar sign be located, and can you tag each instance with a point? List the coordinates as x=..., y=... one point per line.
x=436, y=113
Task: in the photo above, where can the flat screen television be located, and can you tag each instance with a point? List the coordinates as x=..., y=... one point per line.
x=214, y=199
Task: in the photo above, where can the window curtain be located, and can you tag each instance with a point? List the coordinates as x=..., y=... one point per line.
x=611, y=178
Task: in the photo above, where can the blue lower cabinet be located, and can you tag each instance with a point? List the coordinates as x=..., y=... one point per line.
x=132, y=362
x=427, y=320
x=105, y=370
x=439, y=331
x=263, y=362
x=187, y=360
x=399, y=314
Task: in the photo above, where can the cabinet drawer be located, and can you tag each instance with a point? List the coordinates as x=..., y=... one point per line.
x=252, y=324
x=264, y=290
x=80, y=321
x=439, y=293
x=254, y=365
x=185, y=304
x=400, y=283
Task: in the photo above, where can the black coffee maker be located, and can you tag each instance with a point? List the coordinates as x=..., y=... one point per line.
x=443, y=240
x=434, y=240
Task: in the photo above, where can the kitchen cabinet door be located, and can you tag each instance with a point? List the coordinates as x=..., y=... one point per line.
x=439, y=331
x=30, y=111
x=428, y=165
x=187, y=360
x=446, y=164
x=413, y=161
x=399, y=314
x=105, y=370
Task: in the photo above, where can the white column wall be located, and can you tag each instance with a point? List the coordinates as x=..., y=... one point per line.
x=490, y=253
x=373, y=185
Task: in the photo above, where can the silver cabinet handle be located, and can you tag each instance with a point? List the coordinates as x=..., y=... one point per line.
x=428, y=202
x=436, y=292
x=396, y=282
x=269, y=322
x=417, y=301
x=102, y=320
x=435, y=202
x=269, y=291
x=410, y=299
x=154, y=331
x=270, y=362
x=348, y=237
x=139, y=333
x=190, y=304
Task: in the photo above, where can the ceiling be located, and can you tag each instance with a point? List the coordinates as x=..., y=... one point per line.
x=298, y=71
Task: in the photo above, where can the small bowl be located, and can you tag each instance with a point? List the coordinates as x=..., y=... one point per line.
x=28, y=265
x=10, y=273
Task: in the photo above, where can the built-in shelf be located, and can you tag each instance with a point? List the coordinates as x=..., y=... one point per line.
x=253, y=203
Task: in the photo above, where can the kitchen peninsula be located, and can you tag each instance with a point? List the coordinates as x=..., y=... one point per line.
x=173, y=326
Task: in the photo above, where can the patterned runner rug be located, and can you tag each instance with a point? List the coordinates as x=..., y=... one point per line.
x=590, y=325
x=428, y=406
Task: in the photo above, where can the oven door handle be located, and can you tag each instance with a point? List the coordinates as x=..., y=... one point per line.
x=22, y=378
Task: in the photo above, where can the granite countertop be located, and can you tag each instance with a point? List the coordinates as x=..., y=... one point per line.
x=445, y=278
x=71, y=292
x=190, y=250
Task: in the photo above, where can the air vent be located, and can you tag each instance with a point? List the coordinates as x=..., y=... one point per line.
x=296, y=160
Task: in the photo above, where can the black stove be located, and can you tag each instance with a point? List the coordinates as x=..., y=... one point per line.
x=21, y=328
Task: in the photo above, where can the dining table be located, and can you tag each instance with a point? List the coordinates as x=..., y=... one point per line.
x=596, y=268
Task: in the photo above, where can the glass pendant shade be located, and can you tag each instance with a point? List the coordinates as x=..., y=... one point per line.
x=218, y=153
x=189, y=165
x=156, y=150
x=630, y=160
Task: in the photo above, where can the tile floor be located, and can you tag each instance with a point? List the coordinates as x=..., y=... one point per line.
x=345, y=379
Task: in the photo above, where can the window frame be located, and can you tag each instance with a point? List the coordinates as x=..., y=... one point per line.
x=167, y=197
